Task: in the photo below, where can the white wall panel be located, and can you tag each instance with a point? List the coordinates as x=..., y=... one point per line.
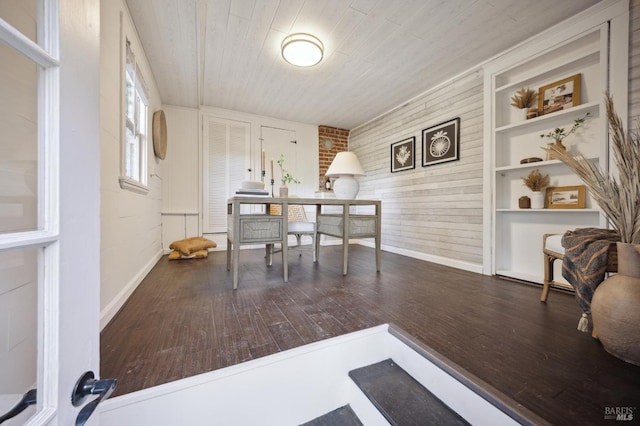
x=306, y=162
x=180, y=184
x=178, y=227
x=130, y=222
x=431, y=212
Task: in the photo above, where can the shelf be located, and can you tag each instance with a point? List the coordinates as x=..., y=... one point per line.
x=534, y=165
x=565, y=211
x=588, y=107
x=528, y=165
x=535, y=75
x=516, y=250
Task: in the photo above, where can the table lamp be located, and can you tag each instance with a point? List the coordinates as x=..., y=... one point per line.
x=344, y=167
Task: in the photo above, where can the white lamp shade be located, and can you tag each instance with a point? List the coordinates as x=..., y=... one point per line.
x=303, y=50
x=345, y=163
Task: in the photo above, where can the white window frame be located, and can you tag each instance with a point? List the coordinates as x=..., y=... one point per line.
x=139, y=123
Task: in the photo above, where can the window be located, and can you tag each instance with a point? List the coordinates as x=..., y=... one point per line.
x=134, y=149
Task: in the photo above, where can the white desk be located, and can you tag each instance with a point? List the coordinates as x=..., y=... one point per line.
x=263, y=228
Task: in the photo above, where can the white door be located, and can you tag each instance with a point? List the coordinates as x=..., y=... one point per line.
x=49, y=204
x=276, y=143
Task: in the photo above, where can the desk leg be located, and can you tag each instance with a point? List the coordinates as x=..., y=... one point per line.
x=378, y=236
x=228, y=254
x=316, y=240
x=236, y=263
x=234, y=209
x=345, y=238
x=269, y=254
x=285, y=241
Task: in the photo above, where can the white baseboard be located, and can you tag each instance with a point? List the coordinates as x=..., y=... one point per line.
x=441, y=260
x=114, y=306
x=459, y=264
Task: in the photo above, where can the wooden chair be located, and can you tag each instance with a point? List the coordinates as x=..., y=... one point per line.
x=552, y=250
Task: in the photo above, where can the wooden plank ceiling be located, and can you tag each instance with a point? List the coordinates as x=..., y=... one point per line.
x=378, y=53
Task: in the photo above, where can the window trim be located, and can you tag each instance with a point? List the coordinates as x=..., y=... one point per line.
x=132, y=185
x=126, y=182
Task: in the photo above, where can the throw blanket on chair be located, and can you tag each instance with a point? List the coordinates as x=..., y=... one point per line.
x=585, y=262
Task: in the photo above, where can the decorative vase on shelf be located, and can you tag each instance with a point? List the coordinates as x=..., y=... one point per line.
x=284, y=191
x=614, y=307
x=523, y=114
x=559, y=145
x=537, y=200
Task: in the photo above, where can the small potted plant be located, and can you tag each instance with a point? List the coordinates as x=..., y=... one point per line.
x=537, y=183
x=559, y=133
x=524, y=99
x=285, y=177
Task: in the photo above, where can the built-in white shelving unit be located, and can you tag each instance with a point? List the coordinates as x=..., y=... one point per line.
x=516, y=234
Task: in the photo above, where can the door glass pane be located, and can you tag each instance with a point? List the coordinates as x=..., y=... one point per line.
x=19, y=141
x=22, y=15
x=18, y=327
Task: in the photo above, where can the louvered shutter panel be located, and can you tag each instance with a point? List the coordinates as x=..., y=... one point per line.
x=225, y=162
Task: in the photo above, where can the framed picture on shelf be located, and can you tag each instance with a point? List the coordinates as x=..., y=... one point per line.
x=566, y=197
x=559, y=95
x=403, y=155
x=441, y=143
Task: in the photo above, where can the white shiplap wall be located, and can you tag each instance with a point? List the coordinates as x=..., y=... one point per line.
x=131, y=227
x=435, y=212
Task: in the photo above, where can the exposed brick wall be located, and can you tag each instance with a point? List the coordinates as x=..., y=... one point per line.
x=340, y=139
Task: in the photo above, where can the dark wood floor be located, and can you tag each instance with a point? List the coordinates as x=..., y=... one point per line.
x=184, y=319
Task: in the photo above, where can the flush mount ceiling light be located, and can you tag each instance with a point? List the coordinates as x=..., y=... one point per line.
x=302, y=50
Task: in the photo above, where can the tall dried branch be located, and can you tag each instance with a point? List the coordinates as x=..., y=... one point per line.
x=619, y=198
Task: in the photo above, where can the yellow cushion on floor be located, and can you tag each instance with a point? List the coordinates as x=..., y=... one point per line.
x=200, y=254
x=191, y=245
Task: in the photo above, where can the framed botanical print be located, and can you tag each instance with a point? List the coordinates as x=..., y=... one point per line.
x=441, y=143
x=403, y=155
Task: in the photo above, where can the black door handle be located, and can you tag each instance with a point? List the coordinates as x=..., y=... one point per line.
x=88, y=385
x=28, y=399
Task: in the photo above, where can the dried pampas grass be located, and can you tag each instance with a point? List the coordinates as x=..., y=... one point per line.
x=524, y=98
x=618, y=198
x=535, y=181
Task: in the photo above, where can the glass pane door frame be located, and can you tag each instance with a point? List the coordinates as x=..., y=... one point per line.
x=46, y=237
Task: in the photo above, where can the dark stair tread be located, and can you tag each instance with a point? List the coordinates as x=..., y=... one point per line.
x=343, y=416
x=400, y=398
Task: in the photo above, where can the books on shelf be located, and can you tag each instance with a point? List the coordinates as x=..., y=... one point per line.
x=253, y=192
